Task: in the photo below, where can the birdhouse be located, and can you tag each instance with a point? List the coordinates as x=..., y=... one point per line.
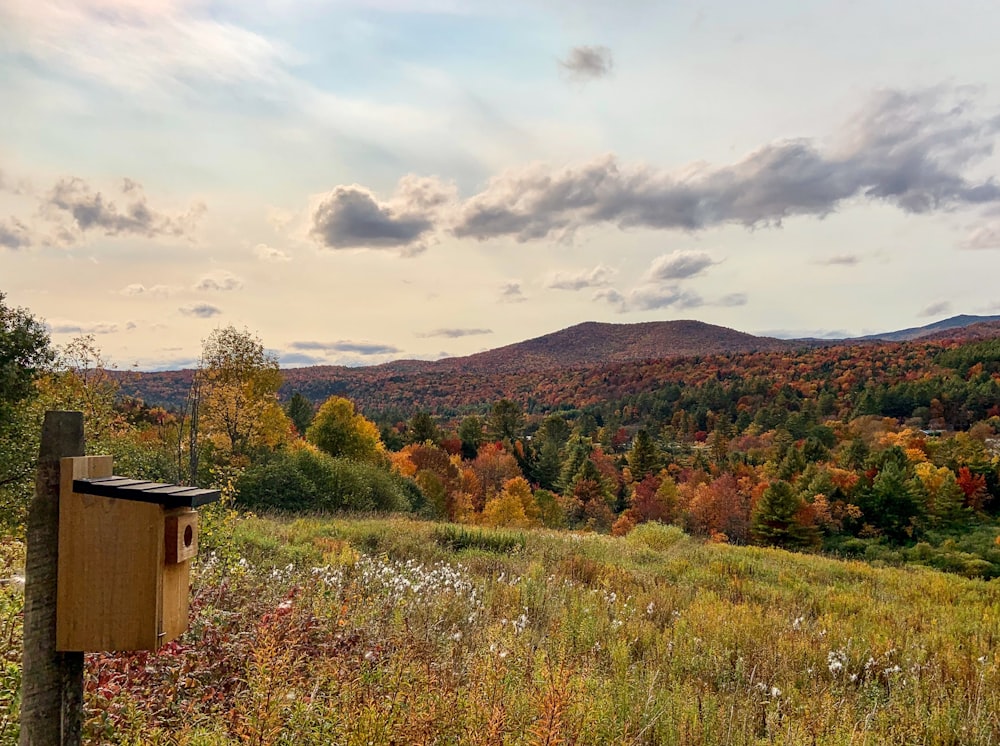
x=125, y=551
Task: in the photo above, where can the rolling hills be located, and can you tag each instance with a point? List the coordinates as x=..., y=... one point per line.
x=579, y=364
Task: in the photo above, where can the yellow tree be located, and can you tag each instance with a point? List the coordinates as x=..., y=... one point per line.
x=514, y=506
x=235, y=397
x=342, y=432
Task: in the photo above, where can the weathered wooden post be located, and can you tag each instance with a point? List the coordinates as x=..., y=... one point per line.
x=52, y=689
x=108, y=569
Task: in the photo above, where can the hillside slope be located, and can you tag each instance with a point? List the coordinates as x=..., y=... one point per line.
x=959, y=322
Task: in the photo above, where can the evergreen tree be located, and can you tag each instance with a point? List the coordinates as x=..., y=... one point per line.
x=890, y=504
x=775, y=518
x=642, y=457
x=576, y=453
x=505, y=421
x=300, y=411
x=470, y=432
x=423, y=428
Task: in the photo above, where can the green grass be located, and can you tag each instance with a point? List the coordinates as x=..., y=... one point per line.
x=381, y=631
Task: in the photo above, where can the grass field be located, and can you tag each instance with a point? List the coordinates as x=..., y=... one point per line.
x=392, y=631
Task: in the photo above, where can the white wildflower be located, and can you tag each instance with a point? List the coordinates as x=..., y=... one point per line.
x=835, y=661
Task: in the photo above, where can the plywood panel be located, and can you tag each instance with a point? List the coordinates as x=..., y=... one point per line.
x=177, y=572
x=176, y=582
x=110, y=566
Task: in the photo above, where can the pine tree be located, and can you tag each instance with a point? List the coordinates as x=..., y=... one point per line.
x=300, y=412
x=775, y=519
x=642, y=457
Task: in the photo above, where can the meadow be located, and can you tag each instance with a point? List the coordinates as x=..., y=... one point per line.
x=374, y=630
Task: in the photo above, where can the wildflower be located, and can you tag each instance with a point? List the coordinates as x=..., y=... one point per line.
x=835, y=661
x=649, y=609
x=797, y=623
x=457, y=635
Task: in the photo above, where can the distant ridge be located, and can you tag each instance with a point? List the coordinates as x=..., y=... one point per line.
x=595, y=343
x=522, y=370
x=918, y=332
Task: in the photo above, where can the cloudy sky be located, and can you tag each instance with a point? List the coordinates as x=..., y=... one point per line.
x=364, y=181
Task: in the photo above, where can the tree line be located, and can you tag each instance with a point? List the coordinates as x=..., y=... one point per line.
x=778, y=457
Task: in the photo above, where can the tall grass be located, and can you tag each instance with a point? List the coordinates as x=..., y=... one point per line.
x=380, y=631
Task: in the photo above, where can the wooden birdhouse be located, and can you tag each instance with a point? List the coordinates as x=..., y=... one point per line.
x=125, y=551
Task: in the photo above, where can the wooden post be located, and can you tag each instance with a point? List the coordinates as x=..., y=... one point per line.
x=52, y=683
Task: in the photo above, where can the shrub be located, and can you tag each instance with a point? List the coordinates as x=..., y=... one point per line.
x=458, y=537
x=306, y=479
x=656, y=536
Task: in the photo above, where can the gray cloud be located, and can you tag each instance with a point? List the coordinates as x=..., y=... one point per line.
x=936, y=309
x=219, y=281
x=679, y=265
x=844, y=260
x=805, y=333
x=612, y=296
x=360, y=348
x=364, y=348
x=14, y=234
x=733, y=299
x=660, y=286
x=200, y=310
x=454, y=333
x=588, y=62
x=597, y=277
x=350, y=217
x=910, y=150
x=986, y=236
x=77, y=327
x=650, y=297
x=90, y=210
x=511, y=292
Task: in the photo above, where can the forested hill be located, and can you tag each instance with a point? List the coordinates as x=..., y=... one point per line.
x=451, y=381
x=591, y=363
x=985, y=326
x=593, y=343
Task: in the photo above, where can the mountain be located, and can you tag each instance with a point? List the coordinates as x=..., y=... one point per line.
x=594, y=343
x=919, y=332
x=581, y=364
x=587, y=345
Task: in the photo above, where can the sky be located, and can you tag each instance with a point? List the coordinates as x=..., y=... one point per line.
x=357, y=182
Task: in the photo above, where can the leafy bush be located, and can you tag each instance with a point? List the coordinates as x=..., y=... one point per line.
x=656, y=536
x=306, y=479
x=459, y=537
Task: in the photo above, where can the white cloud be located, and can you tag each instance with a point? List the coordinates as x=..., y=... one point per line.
x=679, y=265
x=986, y=236
x=221, y=281
x=270, y=254
x=597, y=277
x=157, y=291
